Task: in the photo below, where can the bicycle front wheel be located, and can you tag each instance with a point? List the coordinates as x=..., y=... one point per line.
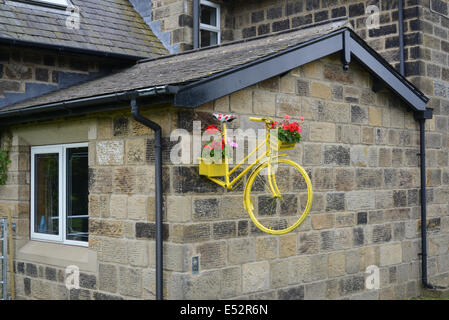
x=278, y=196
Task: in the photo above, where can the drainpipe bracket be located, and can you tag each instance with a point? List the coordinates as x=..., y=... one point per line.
x=424, y=115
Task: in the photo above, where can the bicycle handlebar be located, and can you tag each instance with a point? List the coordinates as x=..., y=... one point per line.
x=266, y=120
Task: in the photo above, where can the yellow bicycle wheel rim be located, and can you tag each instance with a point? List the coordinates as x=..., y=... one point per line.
x=249, y=206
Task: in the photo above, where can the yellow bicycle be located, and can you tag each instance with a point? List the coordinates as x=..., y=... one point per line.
x=274, y=189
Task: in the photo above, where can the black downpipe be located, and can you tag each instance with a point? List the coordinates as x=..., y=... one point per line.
x=401, y=36
x=196, y=24
x=422, y=132
x=158, y=175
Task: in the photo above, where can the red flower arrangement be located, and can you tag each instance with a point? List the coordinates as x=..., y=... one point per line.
x=289, y=132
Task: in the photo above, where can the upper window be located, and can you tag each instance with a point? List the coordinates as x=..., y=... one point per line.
x=48, y=3
x=59, y=193
x=209, y=24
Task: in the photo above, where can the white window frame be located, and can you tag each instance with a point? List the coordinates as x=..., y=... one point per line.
x=53, y=2
x=61, y=149
x=48, y=4
x=209, y=27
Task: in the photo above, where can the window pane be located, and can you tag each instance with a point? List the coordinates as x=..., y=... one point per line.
x=58, y=2
x=208, y=38
x=77, y=194
x=208, y=15
x=46, y=218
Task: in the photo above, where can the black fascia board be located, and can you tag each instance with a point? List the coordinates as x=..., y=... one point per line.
x=83, y=106
x=67, y=49
x=229, y=81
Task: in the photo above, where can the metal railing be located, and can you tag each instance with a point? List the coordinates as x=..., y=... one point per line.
x=4, y=257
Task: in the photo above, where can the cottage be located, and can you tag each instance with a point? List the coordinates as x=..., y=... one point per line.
x=92, y=182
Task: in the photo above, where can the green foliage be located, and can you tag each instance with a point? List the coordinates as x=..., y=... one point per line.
x=4, y=161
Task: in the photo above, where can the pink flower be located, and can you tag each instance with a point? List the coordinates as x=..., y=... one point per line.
x=232, y=143
x=287, y=117
x=302, y=118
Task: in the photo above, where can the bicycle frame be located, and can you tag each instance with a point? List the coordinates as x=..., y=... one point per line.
x=229, y=184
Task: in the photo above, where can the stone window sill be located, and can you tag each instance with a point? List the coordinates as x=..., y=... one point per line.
x=58, y=255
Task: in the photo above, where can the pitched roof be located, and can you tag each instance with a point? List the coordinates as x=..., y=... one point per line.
x=203, y=75
x=182, y=68
x=111, y=26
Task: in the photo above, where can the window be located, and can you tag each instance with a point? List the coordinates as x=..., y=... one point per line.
x=59, y=193
x=48, y=3
x=209, y=23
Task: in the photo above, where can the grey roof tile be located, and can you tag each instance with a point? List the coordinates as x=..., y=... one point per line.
x=114, y=20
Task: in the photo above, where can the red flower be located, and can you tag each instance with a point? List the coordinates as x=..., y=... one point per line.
x=211, y=129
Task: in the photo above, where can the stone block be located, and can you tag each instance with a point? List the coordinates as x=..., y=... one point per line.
x=118, y=206
x=337, y=264
x=255, y=276
x=138, y=253
x=321, y=90
x=336, y=155
x=110, y=152
x=241, y=250
x=344, y=179
x=179, y=208
x=264, y=103
x=363, y=156
x=359, y=200
x=241, y=101
x=106, y=228
x=107, y=278
x=130, y=282
x=206, y=209
x=267, y=248
x=308, y=242
x=323, y=221
x=390, y=254
x=231, y=282
x=322, y=132
x=212, y=255
x=135, y=151
x=287, y=245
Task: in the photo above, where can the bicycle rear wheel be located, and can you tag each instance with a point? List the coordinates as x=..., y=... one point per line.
x=278, y=196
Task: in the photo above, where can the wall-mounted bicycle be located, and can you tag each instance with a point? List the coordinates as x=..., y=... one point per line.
x=274, y=189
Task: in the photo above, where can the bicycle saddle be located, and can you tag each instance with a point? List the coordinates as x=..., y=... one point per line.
x=224, y=117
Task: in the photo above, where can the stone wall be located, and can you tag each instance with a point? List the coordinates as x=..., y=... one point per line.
x=245, y=19
x=361, y=152
x=27, y=73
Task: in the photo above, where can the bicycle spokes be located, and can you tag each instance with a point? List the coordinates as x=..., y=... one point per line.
x=277, y=206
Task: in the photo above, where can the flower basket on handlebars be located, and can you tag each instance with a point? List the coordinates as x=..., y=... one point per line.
x=284, y=146
x=289, y=133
